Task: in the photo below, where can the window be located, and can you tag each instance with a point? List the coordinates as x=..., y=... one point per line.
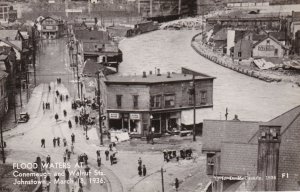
x=155, y=101
x=135, y=101
x=119, y=100
x=169, y=100
x=276, y=52
x=239, y=54
x=268, y=41
x=203, y=97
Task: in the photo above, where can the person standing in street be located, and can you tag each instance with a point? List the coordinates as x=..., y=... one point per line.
x=65, y=142
x=176, y=184
x=98, y=153
x=56, y=178
x=140, y=161
x=140, y=170
x=69, y=155
x=67, y=174
x=144, y=170
x=54, y=142
x=56, y=117
x=58, y=141
x=76, y=119
x=106, y=154
x=43, y=142
x=65, y=112
x=73, y=138
x=99, y=161
x=65, y=157
x=70, y=124
x=48, y=159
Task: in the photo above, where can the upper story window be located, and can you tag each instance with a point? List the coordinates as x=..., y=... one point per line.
x=155, y=101
x=169, y=100
x=119, y=100
x=135, y=101
x=268, y=41
x=203, y=97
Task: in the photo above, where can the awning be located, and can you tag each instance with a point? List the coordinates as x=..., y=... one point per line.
x=187, y=116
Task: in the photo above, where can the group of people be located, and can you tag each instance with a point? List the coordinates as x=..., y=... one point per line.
x=184, y=154
x=46, y=105
x=142, y=171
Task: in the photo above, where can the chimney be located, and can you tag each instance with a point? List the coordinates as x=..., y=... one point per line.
x=268, y=157
x=150, y=72
x=169, y=75
x=144, y=74
x=158, y=72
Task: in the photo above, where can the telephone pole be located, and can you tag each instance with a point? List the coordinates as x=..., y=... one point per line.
x=194, y=109
x=34, y=53
x=2, y=142
x=99, y=109
x=77, y=69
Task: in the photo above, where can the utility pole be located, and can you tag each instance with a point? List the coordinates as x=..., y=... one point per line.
x=34, y=53
x=77, y=69
x=2, y=142
x=99, y=109
x=194, y=109
x=226, y=114
x=162, y=179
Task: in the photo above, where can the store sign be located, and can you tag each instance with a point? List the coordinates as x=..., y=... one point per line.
x=135, y=116
x=266, y=48
x=114, y=115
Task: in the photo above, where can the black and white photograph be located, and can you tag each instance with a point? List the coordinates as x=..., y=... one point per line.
x=149, y=95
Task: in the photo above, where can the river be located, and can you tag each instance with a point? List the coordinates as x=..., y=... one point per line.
x=249, y=98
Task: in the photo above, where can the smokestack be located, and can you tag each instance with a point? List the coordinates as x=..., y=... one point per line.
x=158, y=72
x=169, y=75
x=144, y=74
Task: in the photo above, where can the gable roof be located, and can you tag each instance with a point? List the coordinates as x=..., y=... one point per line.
x=15, y=44
x=101, y=36
x=217, y=131
x=271, y=37
x=42, y=20
x=234, y=160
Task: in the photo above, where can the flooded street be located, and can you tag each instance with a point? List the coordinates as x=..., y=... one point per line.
x=249, y=98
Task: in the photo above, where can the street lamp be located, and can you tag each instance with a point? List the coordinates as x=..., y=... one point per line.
x=192, y=91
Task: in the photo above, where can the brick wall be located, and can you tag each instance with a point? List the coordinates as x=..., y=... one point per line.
x=289, y=158
x=127, y=93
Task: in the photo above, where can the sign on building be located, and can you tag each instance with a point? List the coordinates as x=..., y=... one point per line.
x=135, y=116
x=266, y=48
x=114, y=115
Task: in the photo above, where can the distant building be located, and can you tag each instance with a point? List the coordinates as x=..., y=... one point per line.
x=253, y=150
x=269, y=47
x=51, y=28
x=243, y=49
x=139, y=103
x=7, y=13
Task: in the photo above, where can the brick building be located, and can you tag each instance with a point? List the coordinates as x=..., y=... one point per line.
x=136, y=103
x=247, y=151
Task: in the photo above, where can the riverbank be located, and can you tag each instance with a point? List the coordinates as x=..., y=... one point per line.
x=227, y=62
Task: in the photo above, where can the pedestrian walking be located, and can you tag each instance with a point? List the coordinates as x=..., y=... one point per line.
x=61, y=98
x=65, y=157
x=69, y=155
x=65, y=142
x=140, y=161
x=70, y=124
x=140, y=170
x=43, y=142
x=67, y=174
x=176, y=184
x=48, y=183
x=111, y=160
x=48, y=159
x=73, y=138
x=87, y=170
x=144, y=170
x=57, y=93
x=98, y=153
x=54, y=142
x=58, y=141
x=106, y=154
x=56, y=178
x=65, y=113
x=72, y=148
x=85, y=158
x=56, y=116
x=99, y=161
x=76, y=119
x=110, y=147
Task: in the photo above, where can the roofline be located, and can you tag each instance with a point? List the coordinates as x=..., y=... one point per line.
x=284, y=113
x=153, y=83
x=231, y=121
x=273, y=38
x=11, y=44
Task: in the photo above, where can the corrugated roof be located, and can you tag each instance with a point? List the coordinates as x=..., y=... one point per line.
x=238, y=159
x=153, y=78
x=217, y=131
x=101, y=36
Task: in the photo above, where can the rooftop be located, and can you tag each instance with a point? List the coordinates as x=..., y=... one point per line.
x=102, y=36
x=10, y=34
x=154, y=78
x=91, y=67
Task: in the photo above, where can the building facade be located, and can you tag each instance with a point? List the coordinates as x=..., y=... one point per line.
x=154, y=102
x=269, y=47
x=7, y=13
x=51, y=28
